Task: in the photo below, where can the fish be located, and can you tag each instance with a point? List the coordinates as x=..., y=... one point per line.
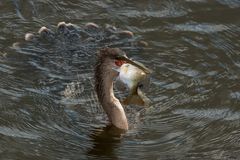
x=132, y=77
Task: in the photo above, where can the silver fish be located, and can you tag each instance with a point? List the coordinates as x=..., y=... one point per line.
x=132, y=77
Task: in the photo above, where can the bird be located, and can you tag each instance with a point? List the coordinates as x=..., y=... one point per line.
x=108, y=59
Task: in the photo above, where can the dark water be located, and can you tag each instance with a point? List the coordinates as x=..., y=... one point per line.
x=49, y=110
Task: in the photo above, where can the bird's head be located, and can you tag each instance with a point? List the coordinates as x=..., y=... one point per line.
x=113, y=58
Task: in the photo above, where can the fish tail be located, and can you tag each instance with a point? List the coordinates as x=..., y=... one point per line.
x=137, y=99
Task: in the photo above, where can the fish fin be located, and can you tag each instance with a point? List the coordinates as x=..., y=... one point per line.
x=137, y=99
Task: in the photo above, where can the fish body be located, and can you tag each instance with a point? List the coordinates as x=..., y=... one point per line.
x=132, y=76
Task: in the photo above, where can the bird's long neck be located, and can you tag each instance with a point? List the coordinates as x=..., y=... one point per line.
x=104, y=77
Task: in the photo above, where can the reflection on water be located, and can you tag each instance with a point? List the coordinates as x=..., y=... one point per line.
x=105, y=142
x=49, y=109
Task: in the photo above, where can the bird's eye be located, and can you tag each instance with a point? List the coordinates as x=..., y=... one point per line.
x=119, y=62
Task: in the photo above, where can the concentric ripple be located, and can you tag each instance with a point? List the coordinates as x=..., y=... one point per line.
x=49, y=109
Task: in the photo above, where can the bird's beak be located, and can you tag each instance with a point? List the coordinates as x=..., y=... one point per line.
x=137, y=64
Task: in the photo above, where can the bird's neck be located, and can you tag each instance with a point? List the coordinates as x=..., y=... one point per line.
x=109, y=102
x=113, y=106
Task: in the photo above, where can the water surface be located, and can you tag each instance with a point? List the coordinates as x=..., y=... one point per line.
x=48, y=105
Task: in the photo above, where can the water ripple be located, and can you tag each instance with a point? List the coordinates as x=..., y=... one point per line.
x=49, y=109
x=213, y=114
x=13, y=132
x=201, y=28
